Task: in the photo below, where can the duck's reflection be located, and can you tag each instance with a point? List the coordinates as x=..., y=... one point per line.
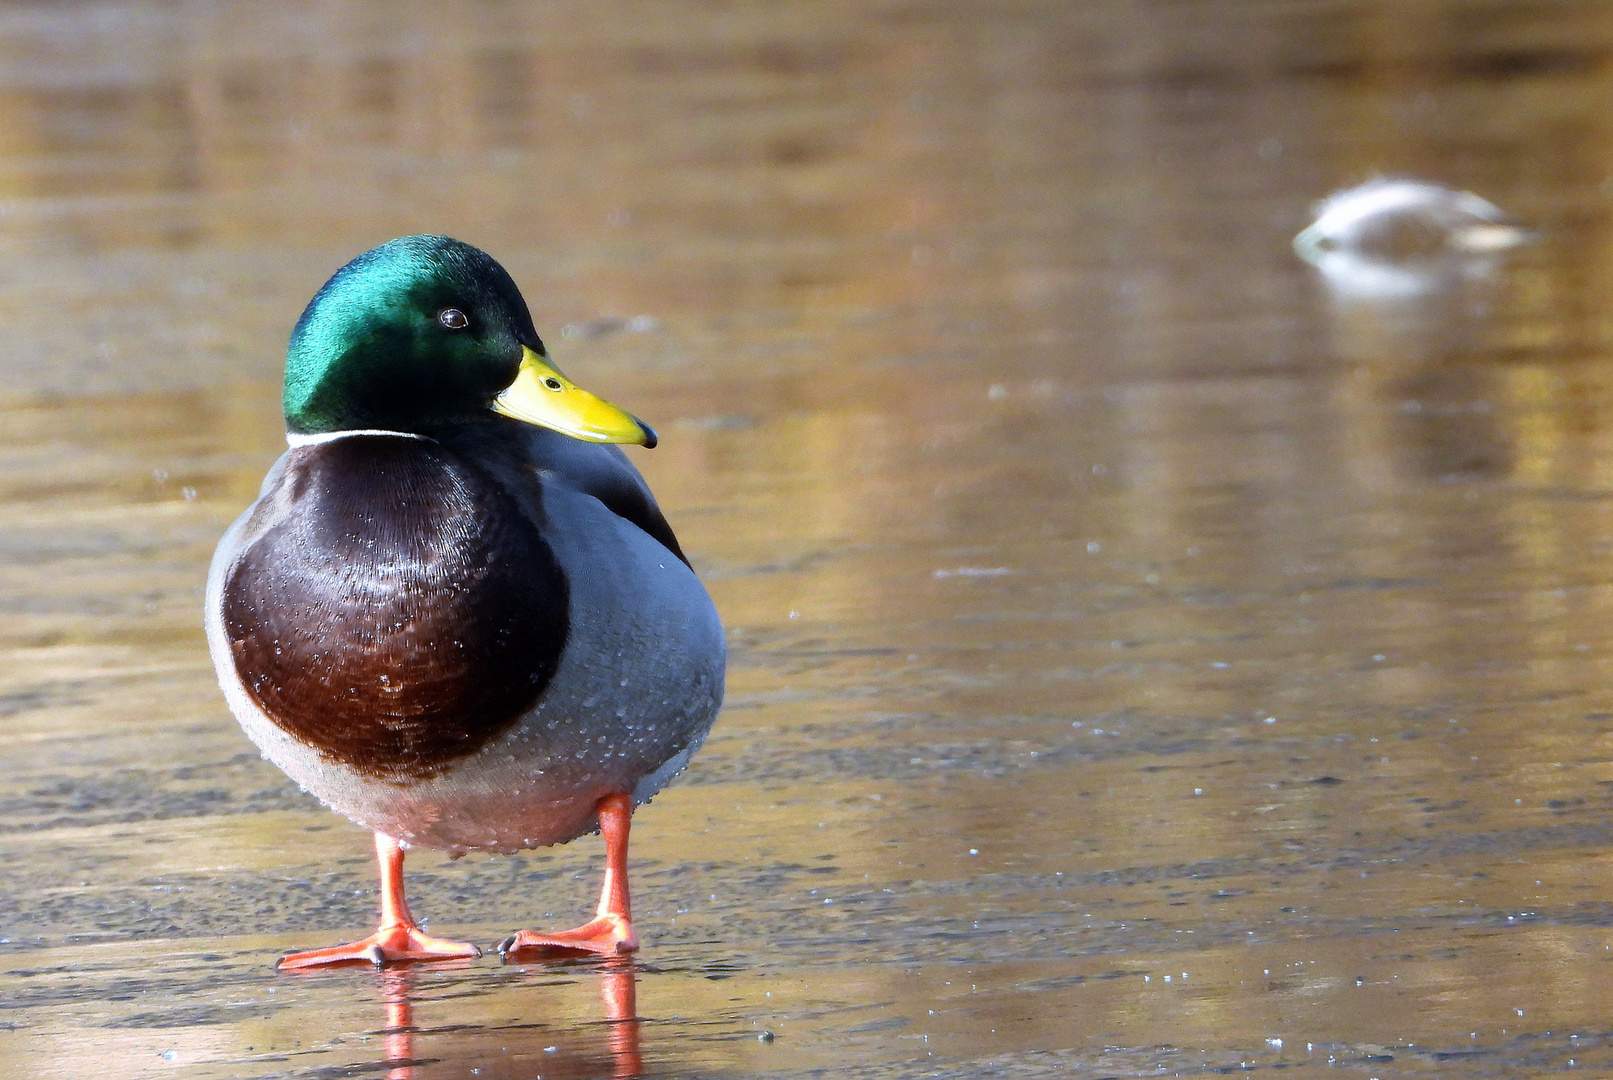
x=617, y=1055
x=1419, y=366
x=1424, y=314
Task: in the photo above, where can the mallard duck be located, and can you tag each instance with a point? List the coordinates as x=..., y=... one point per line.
x=455, y=614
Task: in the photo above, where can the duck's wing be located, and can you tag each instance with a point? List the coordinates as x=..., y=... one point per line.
x=598, y=469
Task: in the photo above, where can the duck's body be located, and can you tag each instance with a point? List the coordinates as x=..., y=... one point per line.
x=602, y=671
x=463, y=631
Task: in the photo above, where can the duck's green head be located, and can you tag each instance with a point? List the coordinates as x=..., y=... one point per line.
x=426, y=333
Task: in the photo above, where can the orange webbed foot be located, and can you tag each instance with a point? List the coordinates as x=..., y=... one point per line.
x=389, y=945
x=606, y=935
x=610, y=933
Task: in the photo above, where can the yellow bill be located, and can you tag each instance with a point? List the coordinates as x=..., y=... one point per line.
x=541, y=395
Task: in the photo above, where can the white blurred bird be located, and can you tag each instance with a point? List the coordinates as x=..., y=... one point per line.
x=1390, y=236
x=1398, y=221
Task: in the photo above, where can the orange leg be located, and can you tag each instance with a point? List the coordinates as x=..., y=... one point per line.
x=399, y=936
x=611, y=930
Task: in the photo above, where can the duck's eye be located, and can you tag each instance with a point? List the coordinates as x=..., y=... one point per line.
x=554, y=384
x=453, y=318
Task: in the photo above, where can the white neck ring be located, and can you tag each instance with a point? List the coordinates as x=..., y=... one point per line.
x=295, y=439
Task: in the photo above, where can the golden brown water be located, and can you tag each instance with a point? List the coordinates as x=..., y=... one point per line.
x=1144, y=661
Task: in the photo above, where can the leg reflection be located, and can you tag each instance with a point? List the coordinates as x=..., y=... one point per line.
x=397, y=987
x=619, y=991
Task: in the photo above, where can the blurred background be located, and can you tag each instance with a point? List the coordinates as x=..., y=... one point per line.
x=1150, y=654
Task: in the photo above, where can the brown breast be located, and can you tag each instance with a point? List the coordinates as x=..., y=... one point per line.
x=397, y=610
